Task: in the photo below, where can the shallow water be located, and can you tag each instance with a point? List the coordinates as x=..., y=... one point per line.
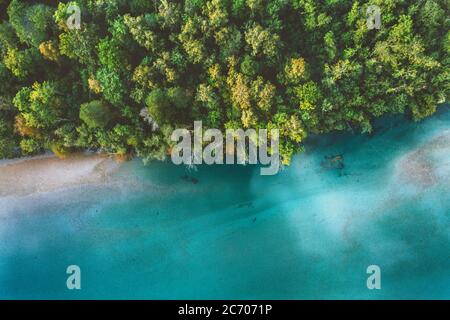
x=309, y=232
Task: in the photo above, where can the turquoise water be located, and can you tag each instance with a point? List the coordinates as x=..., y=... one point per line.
x=309, y=232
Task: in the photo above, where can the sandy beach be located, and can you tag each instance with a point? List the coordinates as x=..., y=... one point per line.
x=46, y=173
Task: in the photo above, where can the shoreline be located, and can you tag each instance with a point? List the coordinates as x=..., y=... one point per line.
x=45, y=173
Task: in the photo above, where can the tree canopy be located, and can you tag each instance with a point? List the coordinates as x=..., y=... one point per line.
x=136, y=70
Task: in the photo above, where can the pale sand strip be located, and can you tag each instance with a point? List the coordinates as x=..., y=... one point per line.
x=47, y=173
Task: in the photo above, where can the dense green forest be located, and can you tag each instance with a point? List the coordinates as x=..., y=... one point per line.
x=138, y=69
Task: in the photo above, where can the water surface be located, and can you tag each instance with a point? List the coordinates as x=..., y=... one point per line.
x=225, y=232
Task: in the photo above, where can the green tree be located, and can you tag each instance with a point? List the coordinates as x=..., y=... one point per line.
x=96, y=114
x=33, y=23
x=147, y=67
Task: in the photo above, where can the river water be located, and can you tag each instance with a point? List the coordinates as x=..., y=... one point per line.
x=225, y=232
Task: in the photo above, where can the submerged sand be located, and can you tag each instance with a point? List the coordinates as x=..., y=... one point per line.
x=48, y=173
x=427, y=165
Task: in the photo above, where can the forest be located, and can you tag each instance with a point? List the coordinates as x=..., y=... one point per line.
x=136, y=70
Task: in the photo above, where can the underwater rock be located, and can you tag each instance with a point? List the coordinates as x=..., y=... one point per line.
x=333, y=162
x=189, y=179
x=245, y=205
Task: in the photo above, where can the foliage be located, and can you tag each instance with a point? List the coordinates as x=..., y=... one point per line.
x=301, y=66
x=96, y=114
